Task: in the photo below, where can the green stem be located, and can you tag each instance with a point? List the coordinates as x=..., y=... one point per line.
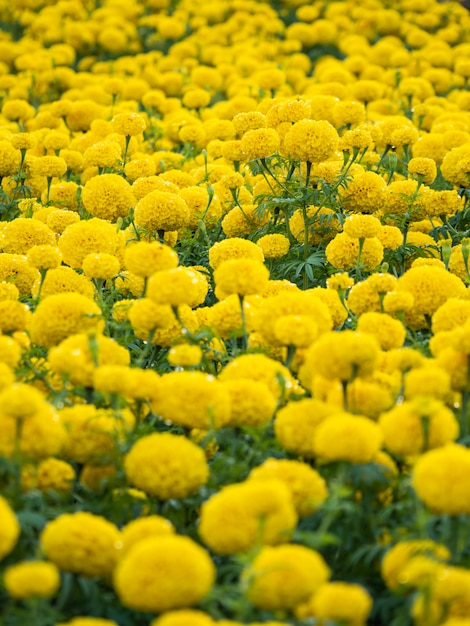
x=244, y=331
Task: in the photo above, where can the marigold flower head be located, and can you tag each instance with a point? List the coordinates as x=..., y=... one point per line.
x=362, y=226
x=21, y=234
x=243, y=515
x=311, y=140
x=82, y=543
x=234, y=248
x=390, y=333
x=260, y=143
x=185, y=355
x=241, y=276
x=166, y=466
x=159, y=560
x=9, y=530
x=347, y=603
x=129, y=124
x=32, y=579
x=347, y=437
x=274, y=246
x=282, y=577
x=103, y=154
x=144, y=527
x=401, y=553
x=192, y=399
x=161, y=210
x=101, y=265
x=343, y=252
x=177, y=286
x=44, y=257
x=366, y=193
x=86, y=237
x=108, y=196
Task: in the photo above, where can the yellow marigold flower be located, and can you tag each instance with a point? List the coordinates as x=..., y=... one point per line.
x=177, y=286
x=370, y=398
x=439, y=479
x=296, y=422
x=343, y=252
x=160, y=210
x=295, y=330
x=431, y=287
x=308, y=488
x=49, y=166
x=224, y=317
x=185, y=355
x=311, y=140
x=428, y=380
x=347, y=437
x=9, y=529
x=305, y=304
x=196, y=98
x=282, y=577
x=77, y=355
x=166, y=466
x=93, y=433
x=340, y=602
x=234, y=248
x=343, y=355
x=142, y=528
x=82, y=543
x=145, y=316
x=340, y=281
x=129, y=124
x=53, y=474
x=17, y=109
x=201, y=206
x=32, y=579
x=366, y=193
x=248, y=120
x=253, y=404
x=97, y=477
x=44, y=257
x=183, y=617
x=244, y=515
x=10, y=158
x=14, y=316
x=274, y=246
x=23, y=141
x=424, y=169
x=108, y=197
x=101, y=265
x=450, y=315
x=21, y=401
x=62, y=280
x=103, y=154
x=390, y=333
x=145, y=258
x=261, y=368
x=22, y=234
x=414, y=426
x=241, y=276
x=400, y=554
x=86, y=237
x=58, y=219
x=10, y=351
x=260, y=143
x=390, y=237
x=362, y=226
x=148, y=578
x=192, y=399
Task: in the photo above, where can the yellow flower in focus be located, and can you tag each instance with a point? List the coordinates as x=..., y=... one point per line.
x=343, y=252
x=108, y=197
x=259, y=143
x=185, y=355
x=82, y=543
x=44, y=257
x=145, y=258
x=241, y=276
x=362, y=226
x=274, y=246
x=161, y=210
x=245, y=515
x=177, y=286
x=424, y=169
x=32, y=579
x=283, y=577
x=101, y=265
x=148, y=577
x=347, y=437
x=311, y=140
x=234, y=248
x=129, y=124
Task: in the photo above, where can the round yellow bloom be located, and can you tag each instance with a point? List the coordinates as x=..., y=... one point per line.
x=253, y=404
x=274, y=246
x=108, y=197
x=296, y=423
x=347, y=437
x=389, y=332
x=424, y=169
x=62, y=280
x=192, y=399
x=259, y=143
x=282, y=577
x=241, y=276
x=129, y=124
x=51, y=475
x=44, y=257
x=142, y=528
x=82, y=543
x=21, y=401
x=399, y=556
x=177, y=286
x=86, y=237
x=422, y=424
x=439, y=478
x=341, y=602
x=161, y=210
x=244, y=515
x=101, y=265
x=103, y=154
x=32, y=579
x=148, y=578
x=59, y=316
x=343, y=252
x=166, y=466
x=308, y=488
x=75, y=356
x=49, y=166
x=366, y=193
x=23, y=233
x=145, y=258
x=234, y=248
x=362, y=226
x=311, y=140
x=9, y=528
x=185, y=355
x=184, y=617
